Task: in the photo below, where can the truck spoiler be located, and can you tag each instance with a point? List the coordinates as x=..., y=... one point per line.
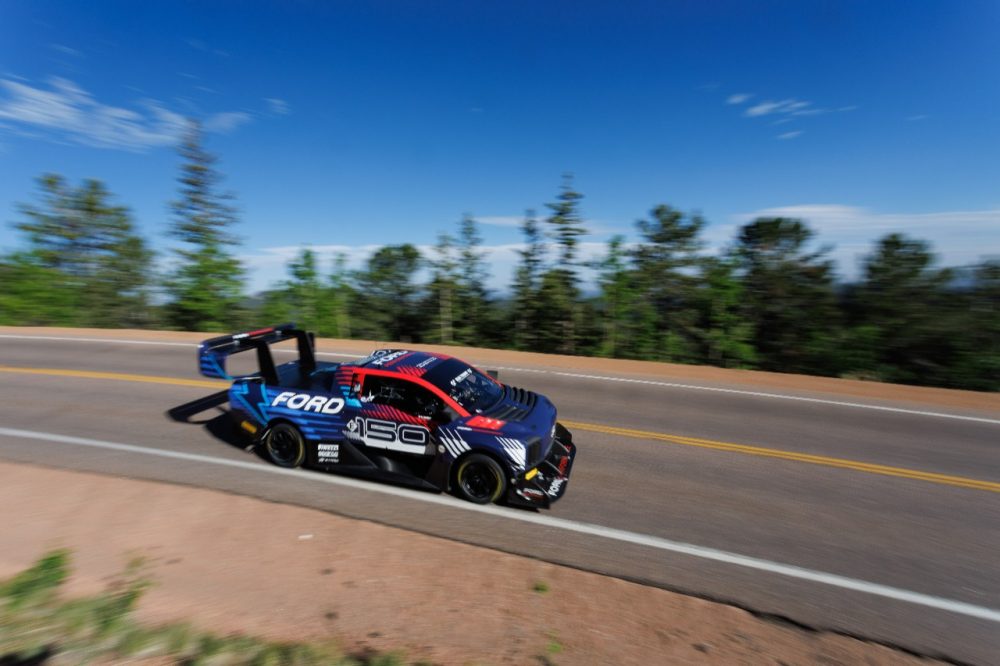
x=212, y=353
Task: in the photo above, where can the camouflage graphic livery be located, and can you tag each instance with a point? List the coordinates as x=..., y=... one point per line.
x=412, y=417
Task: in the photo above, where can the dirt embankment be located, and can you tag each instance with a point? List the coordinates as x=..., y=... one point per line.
x=232, y=564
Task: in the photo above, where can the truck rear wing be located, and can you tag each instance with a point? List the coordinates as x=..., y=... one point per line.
x=212, y=353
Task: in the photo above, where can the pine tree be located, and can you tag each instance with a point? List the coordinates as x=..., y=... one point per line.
x=341, y=294
x=527, y=278
x=614, y=280
x=389, y=308
x=789, y=297
x=567, y=225
x=728, y=335
x=305, y=291
x=978, y=364
x=91, y=246
x=472, y=276
x=665, y=261
x=56, y=236
x=904, y=315
x=559, y=289
x=444, y=279
x=206, y=286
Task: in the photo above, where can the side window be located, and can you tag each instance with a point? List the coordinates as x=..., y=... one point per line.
x=401, y=394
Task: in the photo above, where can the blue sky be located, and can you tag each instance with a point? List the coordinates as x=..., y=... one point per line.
x=347, y=125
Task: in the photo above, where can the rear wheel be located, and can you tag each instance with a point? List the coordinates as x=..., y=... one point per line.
x=480, y=479
x=285, y=445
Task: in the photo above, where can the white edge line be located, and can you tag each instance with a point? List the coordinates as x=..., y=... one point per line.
x=780, y=396
x=576, y=375
x=112, y=340
x=790, y=571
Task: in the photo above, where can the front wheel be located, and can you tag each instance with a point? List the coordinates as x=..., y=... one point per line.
x=285, y=445
x=480, y=479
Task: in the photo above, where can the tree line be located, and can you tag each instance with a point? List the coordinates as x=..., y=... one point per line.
x=768, y=301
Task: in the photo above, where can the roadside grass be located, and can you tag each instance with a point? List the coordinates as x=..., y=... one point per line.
x=37, y=626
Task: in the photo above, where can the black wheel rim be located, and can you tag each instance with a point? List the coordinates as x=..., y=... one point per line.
x=284, y=446
x=479, y=481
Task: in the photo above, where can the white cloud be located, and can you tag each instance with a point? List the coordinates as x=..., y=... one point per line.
x=277, y=106
x=738, y=98
x=768, y=107
x=791, y=107
x=958, y=237
x=763, y=108
x=66, y=50
x=226, y=122
x=919, y=116
x=790, y=135
x=67, y=111
x=502, y=220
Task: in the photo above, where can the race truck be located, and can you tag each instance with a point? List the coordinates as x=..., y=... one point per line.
x=411, y=417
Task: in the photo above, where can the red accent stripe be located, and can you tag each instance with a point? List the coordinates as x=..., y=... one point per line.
x=261, y=331
x=420, y=382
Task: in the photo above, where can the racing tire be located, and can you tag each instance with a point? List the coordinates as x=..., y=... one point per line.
x=480, y=479
x=285, y=445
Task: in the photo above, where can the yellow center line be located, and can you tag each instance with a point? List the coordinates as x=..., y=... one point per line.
x=681, y=440
x=118, y=376
x=843, y=463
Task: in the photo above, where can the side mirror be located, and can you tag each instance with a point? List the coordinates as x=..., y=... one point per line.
x=495, y=374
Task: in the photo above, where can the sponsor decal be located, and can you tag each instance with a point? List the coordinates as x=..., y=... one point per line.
x=461, y=377
x=556, y=486
x=328, y=453
x=320, y=404
x=380, y=434
x=563, y=462
x=427, y=361
x=380, y=359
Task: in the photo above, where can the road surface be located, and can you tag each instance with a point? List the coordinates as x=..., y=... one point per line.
x=872, y=517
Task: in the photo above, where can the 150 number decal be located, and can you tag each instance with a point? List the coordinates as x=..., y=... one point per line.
x=380, y=434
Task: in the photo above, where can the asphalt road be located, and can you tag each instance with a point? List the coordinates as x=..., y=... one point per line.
x=903, y=505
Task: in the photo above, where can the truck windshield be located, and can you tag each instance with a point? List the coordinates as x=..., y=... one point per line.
x=465, y=385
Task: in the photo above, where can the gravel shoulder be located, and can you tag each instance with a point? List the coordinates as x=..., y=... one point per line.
x=232, y=564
